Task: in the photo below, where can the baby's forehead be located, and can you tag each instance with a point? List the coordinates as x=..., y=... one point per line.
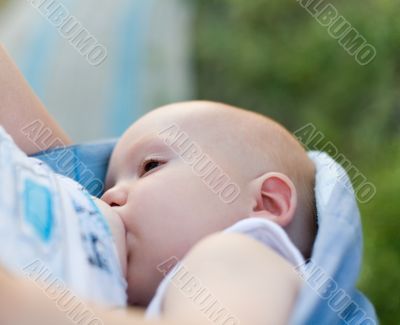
x=161, y=122
x=208, y=127
x=214, y=126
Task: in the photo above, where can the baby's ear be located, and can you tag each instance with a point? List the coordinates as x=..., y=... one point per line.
x=276, y=198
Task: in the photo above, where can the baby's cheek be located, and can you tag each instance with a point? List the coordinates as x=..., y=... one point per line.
x=174, y=197
x=149, y=204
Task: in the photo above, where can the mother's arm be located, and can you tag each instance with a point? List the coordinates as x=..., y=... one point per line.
x=23, y=302
x=252, y=283
x=22, y=114
x=234, y=280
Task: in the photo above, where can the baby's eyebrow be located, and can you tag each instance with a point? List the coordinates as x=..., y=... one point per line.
x=150, y=142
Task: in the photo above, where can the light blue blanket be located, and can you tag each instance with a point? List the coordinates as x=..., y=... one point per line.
x=329, y=295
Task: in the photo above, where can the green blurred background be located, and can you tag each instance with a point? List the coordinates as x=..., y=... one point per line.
x=273, y=57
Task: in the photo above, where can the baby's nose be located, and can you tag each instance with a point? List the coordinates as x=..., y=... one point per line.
x=115, y=197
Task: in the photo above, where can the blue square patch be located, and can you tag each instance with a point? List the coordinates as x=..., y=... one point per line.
x=38, y=209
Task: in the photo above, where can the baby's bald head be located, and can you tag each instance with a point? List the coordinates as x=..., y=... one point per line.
x=167, y=204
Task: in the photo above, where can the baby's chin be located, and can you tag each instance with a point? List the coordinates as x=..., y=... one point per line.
x=118, y=232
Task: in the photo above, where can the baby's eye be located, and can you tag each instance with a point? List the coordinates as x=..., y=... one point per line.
x=149, y=165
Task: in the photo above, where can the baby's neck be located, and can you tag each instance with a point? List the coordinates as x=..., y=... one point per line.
x=118, y=232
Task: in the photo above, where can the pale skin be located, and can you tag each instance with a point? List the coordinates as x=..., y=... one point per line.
x=19, y=106
x=144, y=171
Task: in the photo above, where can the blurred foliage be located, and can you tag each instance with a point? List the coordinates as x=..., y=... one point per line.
x=275, y=58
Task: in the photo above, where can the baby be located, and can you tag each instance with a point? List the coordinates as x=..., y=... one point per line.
x=162, y=197
x=166, y=206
